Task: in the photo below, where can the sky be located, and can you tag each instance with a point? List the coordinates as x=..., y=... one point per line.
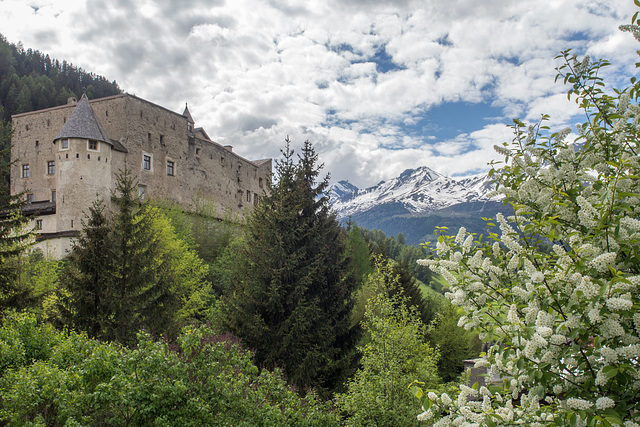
x=377, y=86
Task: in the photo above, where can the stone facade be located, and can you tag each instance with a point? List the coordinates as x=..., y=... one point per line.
x=63, y=161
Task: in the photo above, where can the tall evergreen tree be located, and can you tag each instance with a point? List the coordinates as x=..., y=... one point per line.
x=132, y=272
x=88, y=275
x=293, y=299
x=14, y=236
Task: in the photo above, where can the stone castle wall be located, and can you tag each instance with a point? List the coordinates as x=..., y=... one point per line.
x=202, y=169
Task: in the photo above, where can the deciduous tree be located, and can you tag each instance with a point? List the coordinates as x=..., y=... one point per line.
x=564, y=322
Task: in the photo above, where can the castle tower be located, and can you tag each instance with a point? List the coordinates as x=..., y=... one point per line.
x=84, y=155
x=190, y=121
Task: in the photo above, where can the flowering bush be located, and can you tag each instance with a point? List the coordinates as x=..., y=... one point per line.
x=556, y=290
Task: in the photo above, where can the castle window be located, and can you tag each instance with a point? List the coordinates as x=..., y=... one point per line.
x=260, y=183
x=92, y=145
x=64, y=144
x=146, y=162
x=149, y=138
x=142, y=191
x=38, y=224
x=255, y=198
x=170, y=168
x=37, y=142
x=25, y=171
x=29, y=198
x=248, y=196
x=161, y=139
x=197, y=151
x=51, y=167
x=53, y=196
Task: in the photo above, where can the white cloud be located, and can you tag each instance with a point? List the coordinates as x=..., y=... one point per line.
x=254, y=72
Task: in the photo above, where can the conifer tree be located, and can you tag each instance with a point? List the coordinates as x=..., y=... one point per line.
x=132, y=272
x=88, y=275
x=14, y=236
x=293, y=299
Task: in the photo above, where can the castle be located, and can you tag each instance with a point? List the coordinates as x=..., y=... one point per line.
x=66, y=157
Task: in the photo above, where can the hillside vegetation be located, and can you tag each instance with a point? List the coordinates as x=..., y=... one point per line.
x=31, y=80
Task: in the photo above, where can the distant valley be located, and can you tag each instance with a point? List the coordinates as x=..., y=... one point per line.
x=416, y=202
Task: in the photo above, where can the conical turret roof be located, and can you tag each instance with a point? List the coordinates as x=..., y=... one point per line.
x=83, y=123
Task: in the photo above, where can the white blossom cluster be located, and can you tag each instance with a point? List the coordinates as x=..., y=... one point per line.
x=556, y=289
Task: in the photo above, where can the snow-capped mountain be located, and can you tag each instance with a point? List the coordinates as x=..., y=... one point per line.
x=419, y=191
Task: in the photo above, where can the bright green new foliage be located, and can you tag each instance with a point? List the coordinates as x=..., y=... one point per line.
x=394, y=354
x=54, y=378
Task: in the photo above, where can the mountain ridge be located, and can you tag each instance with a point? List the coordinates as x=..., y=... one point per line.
x=419, y=190
x=417, y=201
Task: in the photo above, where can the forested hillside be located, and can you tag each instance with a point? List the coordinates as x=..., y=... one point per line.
x=31, y=80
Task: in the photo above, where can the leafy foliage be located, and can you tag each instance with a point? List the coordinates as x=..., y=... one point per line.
x=394, y=355
x=398, y=250
x=292, y=299
x=54, y=378
x=454, y=343
x=565, y=322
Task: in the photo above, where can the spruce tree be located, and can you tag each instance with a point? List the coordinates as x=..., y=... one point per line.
x=88, y=278
x=14, y=235
x=293, y=298
x=132, y=272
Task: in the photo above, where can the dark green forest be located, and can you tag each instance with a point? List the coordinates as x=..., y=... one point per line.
x=31, y=80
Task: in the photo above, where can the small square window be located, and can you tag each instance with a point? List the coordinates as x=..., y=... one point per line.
x=93, y=145
x=146, y=162
x=38, y=224
x=64, y=144
x=170, y=168
x=51, y=167
x=29, y=198
x=26, y=171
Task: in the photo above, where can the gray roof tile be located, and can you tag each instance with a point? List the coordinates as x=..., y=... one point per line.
x=83, y=123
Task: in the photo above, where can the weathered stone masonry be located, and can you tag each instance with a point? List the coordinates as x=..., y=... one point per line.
x=67, y=156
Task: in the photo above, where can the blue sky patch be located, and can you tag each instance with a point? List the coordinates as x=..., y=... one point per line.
x=384, y=61
x=448, y=120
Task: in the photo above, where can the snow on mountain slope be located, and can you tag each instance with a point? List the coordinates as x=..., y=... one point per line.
x=420, y=191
